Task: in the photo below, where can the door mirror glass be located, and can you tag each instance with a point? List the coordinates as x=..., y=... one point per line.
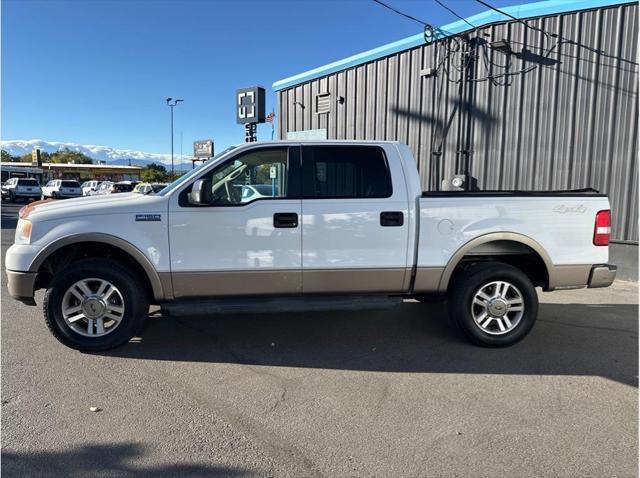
x=201, y=193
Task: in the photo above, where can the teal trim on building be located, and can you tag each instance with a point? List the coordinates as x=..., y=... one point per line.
x=529, y=10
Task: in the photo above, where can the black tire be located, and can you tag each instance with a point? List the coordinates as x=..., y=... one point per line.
x=54, y=195
x=463, y=290
x=12, y=197
x=136, y=304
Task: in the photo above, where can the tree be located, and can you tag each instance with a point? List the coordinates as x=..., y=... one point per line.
x=68, y=156
x=154, y=173
x=64, y=156
x=7, y=157
x=27, y=158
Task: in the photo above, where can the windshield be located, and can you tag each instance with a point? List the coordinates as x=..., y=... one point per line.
x=194, y=172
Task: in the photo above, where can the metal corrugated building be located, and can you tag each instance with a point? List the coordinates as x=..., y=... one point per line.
x=566, y=116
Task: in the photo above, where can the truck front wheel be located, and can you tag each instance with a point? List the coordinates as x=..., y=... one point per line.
x=95, y=304
x=494, y=304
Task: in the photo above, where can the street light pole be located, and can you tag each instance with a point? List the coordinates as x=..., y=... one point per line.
x=171, y=105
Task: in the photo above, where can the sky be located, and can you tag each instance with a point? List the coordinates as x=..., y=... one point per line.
x=98, y=71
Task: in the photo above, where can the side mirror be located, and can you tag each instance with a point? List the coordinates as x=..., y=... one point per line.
x=201, y=193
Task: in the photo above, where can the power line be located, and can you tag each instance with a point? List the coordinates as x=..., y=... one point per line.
x=425, y=24
x=430, y=32
x=454, y=13
x=482, y=2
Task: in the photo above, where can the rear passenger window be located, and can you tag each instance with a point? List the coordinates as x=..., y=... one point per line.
x=345, y=172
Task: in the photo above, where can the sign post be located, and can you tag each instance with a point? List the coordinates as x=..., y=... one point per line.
x=250, y=110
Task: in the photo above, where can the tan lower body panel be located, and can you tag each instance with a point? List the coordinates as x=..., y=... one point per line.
x=428, y=279
x=317, y=281
x=236, y=283
x=566, y=277
x=325, y=281
x=560, y=277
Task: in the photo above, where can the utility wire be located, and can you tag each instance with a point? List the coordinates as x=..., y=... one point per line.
x=454, y=13
x=425, y=24
x=431, y=33
x=482, y=2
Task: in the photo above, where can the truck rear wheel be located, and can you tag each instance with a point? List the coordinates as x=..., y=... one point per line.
x=494, y=304
x=95, y=304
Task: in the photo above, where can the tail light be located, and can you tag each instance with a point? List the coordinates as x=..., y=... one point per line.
x=602, y=229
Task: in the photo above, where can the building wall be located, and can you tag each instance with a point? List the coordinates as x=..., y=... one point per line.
x=565, y=117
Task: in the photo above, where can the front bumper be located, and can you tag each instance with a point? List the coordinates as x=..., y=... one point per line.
x=602, y=275
x=20, y=285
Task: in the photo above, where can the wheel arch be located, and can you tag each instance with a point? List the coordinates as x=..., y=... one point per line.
x=510, y=237
x=126, y=247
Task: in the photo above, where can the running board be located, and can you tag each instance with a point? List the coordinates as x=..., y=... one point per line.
x=264, y=305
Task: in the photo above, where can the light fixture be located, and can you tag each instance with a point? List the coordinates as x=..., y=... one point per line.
x=457, y=182
x=503, y=46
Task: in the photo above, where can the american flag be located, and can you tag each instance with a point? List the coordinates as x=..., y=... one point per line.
x=269, y=117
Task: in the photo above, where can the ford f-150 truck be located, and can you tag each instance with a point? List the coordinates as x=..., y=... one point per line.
x=332, y=218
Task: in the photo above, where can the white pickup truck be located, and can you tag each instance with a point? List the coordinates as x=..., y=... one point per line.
x=332, y=218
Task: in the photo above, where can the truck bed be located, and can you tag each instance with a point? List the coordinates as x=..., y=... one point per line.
x=585, y=192
x=557, y=225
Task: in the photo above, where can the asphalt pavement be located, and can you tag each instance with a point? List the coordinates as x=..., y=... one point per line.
x=387, y=392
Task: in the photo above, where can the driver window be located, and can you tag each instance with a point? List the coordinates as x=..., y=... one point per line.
x=258, y=174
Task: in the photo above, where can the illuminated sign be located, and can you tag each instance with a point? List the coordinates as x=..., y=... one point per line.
x=250, y=105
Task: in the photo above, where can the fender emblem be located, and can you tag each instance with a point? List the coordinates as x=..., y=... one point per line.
x=148, y=217
x=562, y=209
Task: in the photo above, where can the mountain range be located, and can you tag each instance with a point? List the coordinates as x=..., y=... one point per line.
x=108, y=154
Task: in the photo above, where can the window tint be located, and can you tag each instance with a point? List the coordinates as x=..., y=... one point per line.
x=346, y=172
x=27, y=182
x=69, y=184
x=123, y=188
x=260, y=174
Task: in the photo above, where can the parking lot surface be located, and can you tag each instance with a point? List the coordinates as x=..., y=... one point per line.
x=387, y=392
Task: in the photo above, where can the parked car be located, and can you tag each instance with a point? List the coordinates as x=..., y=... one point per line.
x=110, y=187
x=88, y=187
x=157, y=187
x=61, y=189
x=123, y=186
x=102, y=188
x=21, y=188
x=149, y=188
x=348, y=217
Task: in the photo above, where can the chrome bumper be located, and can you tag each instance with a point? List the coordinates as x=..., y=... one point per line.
x=20, y=285
x=602, y=275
